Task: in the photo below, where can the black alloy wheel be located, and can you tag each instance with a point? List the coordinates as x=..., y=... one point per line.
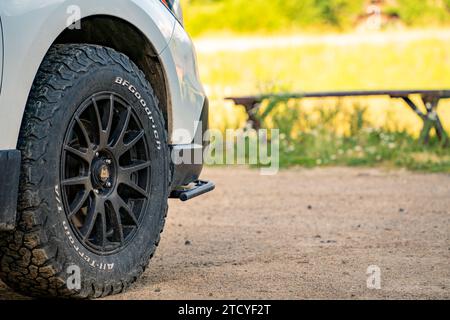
x=105, y=173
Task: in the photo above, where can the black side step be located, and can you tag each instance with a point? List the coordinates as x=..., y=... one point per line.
x=192, y=191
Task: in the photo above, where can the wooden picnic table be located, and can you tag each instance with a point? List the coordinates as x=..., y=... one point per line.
x=430, y=99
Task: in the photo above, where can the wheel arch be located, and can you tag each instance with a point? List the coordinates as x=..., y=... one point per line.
x=124, y=37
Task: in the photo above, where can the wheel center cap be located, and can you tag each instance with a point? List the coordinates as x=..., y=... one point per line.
x=104, y=173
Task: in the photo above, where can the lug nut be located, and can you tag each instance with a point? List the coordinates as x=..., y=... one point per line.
x=96, y=191
x=108, y=161
x=108, y=184
x=97, y=154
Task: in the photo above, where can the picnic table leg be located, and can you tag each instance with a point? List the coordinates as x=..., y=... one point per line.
x=430, y=119
x=251, y=110
x=431, y=104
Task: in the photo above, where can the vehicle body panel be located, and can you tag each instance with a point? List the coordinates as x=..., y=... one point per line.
x=1, y=54
x=187, y=92
x=31, y=26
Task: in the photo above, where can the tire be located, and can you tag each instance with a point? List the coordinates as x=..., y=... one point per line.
x=111, y=236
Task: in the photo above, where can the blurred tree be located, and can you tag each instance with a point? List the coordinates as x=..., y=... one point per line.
x=244, y=16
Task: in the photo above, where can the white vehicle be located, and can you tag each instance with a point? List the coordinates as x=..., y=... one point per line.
x=100, y=101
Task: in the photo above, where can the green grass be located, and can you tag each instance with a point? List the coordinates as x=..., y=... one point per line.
x=275, y=16
x=320, y=142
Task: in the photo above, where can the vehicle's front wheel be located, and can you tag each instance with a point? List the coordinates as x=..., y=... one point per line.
x=94, y=178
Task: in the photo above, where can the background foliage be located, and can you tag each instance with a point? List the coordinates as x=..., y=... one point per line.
x=271, y=16
x=321, y=132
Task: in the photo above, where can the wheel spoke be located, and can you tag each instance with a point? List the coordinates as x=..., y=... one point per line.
x=136, y=189
x=104, y=231
x=137, y=166
x=83, y=131
x=132, y=143
x=110, y=119
x=122, y=130
x=76, y=181
x=97, y=207
x=103, y=134
x=122, y=204
x=117, y=220
x=78, y=153
x=125, y=124
x=99, y=120
x=78, y=203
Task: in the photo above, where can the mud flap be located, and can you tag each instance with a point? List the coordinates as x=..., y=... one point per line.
x=9, y=188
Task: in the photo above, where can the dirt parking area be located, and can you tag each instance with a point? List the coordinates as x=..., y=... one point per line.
x=304, y=234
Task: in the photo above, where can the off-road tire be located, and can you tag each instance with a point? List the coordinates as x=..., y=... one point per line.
x=36, y=257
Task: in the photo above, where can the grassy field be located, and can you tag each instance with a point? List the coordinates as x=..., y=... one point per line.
x=323, y=132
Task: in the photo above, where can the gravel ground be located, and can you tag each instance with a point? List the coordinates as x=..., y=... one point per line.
x=304, y=234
